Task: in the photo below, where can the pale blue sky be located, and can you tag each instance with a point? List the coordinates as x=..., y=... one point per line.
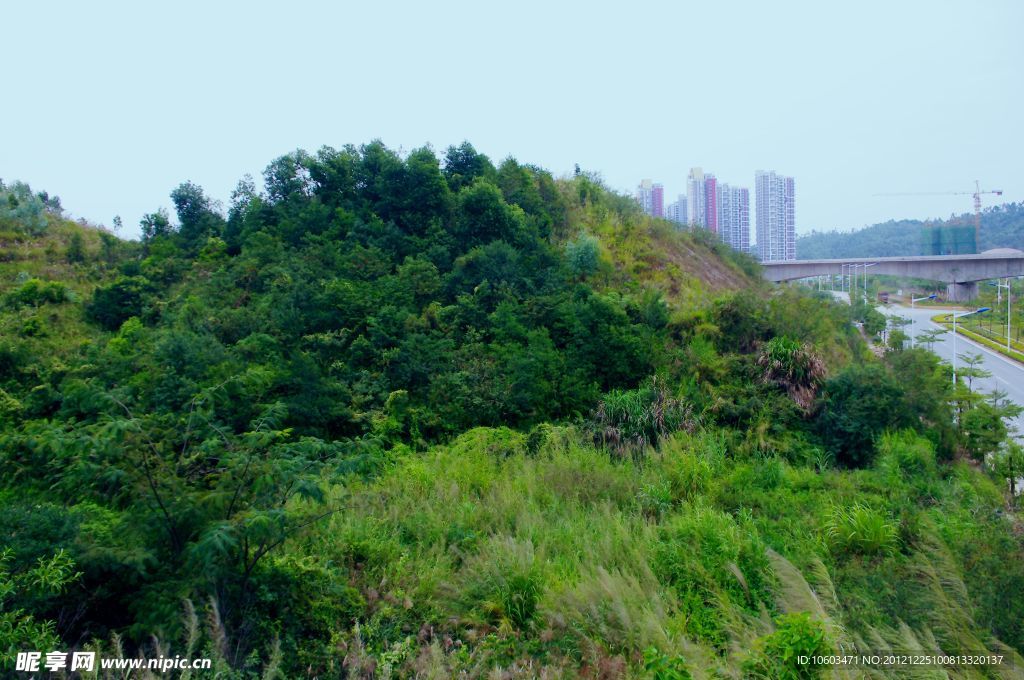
x=111, y=105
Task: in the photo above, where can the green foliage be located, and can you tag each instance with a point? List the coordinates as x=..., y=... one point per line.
x=627, y=422
x=35, y=292
x=793, y=366
x=982, y=431
x=971, y=368
x=873, y=320
x=858, y=404
x=75, y=252
x=583, y=254
x=898, y=340
x=905, y=455
x=660, y=666
x=861, y=530
x=1008, y=465
x=778, y=656
x=484, y=216
x=115, y=303
x=348, y=420
x=712, y=562
x=19, y=630
x=155, y=225
x=26, y=212
x=463, y=164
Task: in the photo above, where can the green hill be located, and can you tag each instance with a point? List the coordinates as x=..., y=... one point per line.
x=1002, y=226
x=411, y=416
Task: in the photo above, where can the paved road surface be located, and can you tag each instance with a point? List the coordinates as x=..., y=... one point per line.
x=1007, y=375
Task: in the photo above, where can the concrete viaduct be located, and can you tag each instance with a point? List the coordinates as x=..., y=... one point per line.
x=961, y=272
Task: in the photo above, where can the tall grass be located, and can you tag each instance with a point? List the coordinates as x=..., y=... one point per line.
x=863, y=530
x=543, y=555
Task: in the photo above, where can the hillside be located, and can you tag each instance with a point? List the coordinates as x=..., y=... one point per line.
x=1002, y=226
x=411, y=416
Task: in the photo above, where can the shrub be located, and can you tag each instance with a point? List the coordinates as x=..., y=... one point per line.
x=24, y=211
x=857, y=405
x=660, y=666
x=777, y=656
x=862, y=530
x=75, y=252
x=37, y=292
x=768, y=473
x=124, y=298
x=19, y=629
x=1007, y=464
x=583, y=254
x=688, y=475
x=905, y=454
x=628, y=421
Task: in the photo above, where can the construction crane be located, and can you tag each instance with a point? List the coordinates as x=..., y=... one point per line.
x=977, y=202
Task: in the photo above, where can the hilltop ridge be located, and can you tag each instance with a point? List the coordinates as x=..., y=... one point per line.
x=1002, y=226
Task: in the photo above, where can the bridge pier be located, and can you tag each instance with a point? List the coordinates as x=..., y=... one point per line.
x=962, y=292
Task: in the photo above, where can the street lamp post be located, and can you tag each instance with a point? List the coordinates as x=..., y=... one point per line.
x=959, y=316
x=999, y=288
x=913, y=321
x=866, y=280
x=853, y=279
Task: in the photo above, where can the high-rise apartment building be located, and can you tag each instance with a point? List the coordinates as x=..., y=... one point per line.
x=695, y=197
x=702, y=200
x=676, y=212
x=651, y=198
x=711, y=203
x=776, y=216
x=734, y=216
x=645, y=195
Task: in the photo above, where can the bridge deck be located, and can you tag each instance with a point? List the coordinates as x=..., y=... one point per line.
x=948, y=268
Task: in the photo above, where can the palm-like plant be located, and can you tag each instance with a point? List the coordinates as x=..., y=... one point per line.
x=792, y=365
x=628, y=421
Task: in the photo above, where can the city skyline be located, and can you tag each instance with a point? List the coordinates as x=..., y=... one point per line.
x=719, y=207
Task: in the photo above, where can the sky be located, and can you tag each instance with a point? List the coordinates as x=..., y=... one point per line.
x=112, y=105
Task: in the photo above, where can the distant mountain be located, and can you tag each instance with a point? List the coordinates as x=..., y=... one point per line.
x=1002, y=226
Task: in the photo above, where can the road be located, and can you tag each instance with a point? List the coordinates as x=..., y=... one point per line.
x=1007, y=375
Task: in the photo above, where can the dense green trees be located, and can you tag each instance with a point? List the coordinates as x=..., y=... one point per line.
x=858, y=404
x=270, y=420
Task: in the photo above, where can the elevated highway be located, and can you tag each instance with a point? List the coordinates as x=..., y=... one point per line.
x=961, y=272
